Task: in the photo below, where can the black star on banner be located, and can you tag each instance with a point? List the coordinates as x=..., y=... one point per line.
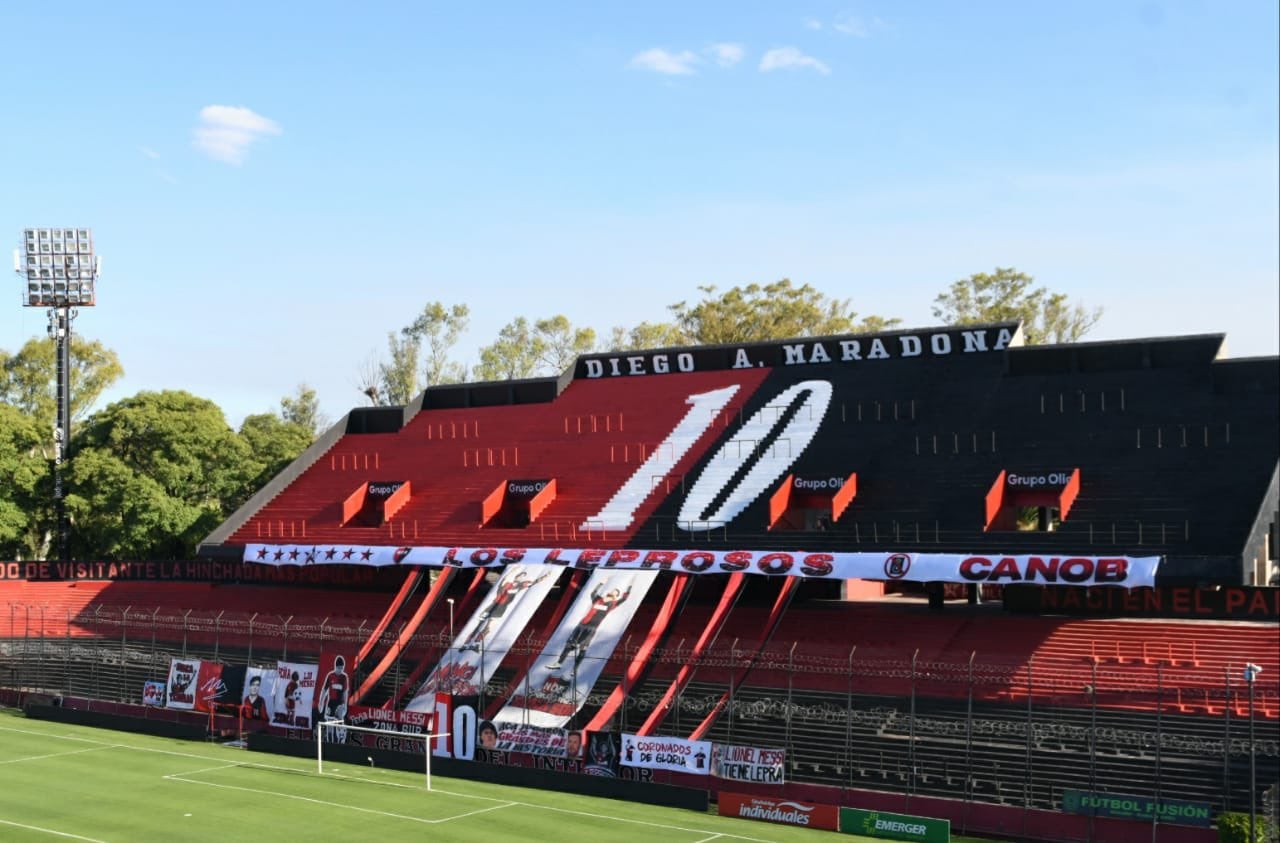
x=346, y=554
x=309, y=558
x=293, y=554
x=278, y=555
x=330, y=553
x=366, y=554
x=262, y=553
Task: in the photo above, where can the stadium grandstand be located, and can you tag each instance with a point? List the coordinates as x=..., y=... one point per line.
x=1031, y=590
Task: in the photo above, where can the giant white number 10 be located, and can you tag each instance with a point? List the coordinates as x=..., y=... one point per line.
x=745, y=452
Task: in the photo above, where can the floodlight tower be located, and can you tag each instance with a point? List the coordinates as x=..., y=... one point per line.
x=60, y=270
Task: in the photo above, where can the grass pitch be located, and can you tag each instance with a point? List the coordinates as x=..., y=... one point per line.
x=65, y=782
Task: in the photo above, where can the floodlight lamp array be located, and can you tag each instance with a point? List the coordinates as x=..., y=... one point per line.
x=59, y=267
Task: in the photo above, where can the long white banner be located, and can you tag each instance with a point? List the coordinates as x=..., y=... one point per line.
x=561, y=678
x=663, y=753
x=488, y=635
x=995, y=569
x=749, y=764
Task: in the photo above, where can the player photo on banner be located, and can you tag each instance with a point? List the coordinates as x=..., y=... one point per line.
x=749, y=764
x=660, y=753
x=182, y=683
x=153, y=693
x=603, y=751
x=488, y=635
x=295, y=695
x=257, y=699
x=332, y=693
x=558, y=683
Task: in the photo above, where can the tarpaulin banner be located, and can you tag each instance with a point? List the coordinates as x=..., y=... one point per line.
x=334, y=688
x=783, y=811
x=210, y=689
x=385, y=719
x=887, y=826
x=182, y=683
x=662, y=753
x=153, y=693
x=558, y=683
x=522, y=737
x=258, y=697
x=995, y=569
x=488, y=635
x=748, y=764
x=295, y=695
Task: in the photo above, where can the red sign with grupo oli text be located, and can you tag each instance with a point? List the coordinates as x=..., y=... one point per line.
x=783, y=811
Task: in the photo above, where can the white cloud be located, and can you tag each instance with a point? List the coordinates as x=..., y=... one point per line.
x=790, y=58
x=149, y=152
x=726, y=55
x=847, y=24
x=226, y=132
x=659, y=60
x=812, y=23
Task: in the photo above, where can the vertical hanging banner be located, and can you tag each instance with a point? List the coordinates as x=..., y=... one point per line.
x=210, y=689
x=295, y=694
x=332, y=692
x=182, y=683
x=558, y=683
x=663, y=753
x=487, y=636
x=258, y=697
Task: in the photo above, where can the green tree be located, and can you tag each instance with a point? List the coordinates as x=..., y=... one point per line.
x=561, y=343
x=28, y=379
x=153, y=474
x=1007, y=295
x=437, y=330
x=765, y=312
x=398, y=375
x=303, y=409
x=516, y=353
x=25, y=468
x=274, y=442
x=646, y=335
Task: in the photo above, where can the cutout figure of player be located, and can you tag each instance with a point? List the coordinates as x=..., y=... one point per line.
x=508, y=592
x=582, y=635
x=292, y=696
x=333, y=699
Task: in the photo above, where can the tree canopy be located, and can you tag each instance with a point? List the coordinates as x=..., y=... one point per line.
x=1007, y=295
x=28, y=380
x=765, y=312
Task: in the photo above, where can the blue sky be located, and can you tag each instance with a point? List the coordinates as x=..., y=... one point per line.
x=274, y=187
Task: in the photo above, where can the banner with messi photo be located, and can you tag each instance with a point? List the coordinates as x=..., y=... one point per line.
x=258, y=696
x=561, y=678
x=153, y=693
x=488, y=634
x=295, y=695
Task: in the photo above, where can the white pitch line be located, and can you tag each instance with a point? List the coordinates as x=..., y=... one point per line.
x=51, y=831
x=56, y=754
x=304, y=799
x=477, y=811
x=201, y=770
x=367, y=810
x=708, y=839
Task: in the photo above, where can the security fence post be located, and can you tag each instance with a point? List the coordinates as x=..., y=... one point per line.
x=124, y=638
x=791, y=654
x=248, y=659
x=217, y=635
x=911, y=735
x=848, y=718
x=1155, y=812
x=66, y=660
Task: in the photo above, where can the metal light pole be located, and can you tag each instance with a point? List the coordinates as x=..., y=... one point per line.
x=1251, y=672
x=453, y=653
x=60, y=270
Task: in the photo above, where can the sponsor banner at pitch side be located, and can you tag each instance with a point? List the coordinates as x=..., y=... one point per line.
x=781, y=811
x=1120, y=806
x=748, y=764
x=662, y=753
x=994, y=569
x=887, y=826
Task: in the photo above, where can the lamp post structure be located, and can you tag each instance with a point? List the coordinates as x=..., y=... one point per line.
x=453, y=653
x=60, y=271
x=1251, y=672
